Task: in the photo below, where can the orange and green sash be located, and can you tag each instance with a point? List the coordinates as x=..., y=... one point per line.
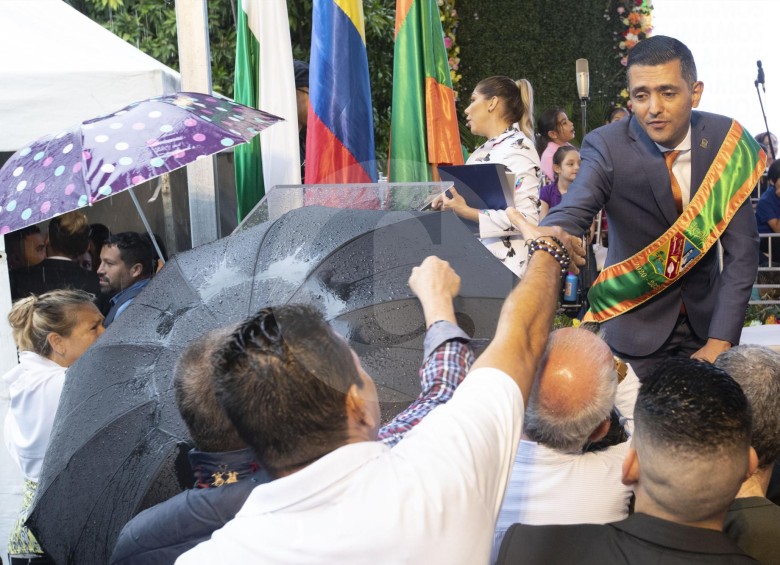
x=728, y=183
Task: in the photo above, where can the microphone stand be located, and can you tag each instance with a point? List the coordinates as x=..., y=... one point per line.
x=763, y=113
x=584, y=107
x=587, y=279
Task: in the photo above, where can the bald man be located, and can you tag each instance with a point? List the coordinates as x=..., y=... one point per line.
x=554, y=481
x=690, y=453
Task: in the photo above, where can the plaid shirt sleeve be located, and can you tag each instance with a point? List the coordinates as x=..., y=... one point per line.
x=448, y=358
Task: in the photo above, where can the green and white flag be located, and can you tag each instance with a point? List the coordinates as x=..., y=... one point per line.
x=265, y=79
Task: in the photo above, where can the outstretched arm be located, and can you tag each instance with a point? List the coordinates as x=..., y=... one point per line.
x=526, y=317
x=447, y=357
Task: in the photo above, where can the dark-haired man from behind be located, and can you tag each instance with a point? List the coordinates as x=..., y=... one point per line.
x=149, y=539
x=127, y=264
x=753, y=521
x=340, y=496
x=691, y=453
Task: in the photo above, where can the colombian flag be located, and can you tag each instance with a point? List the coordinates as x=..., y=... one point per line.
x=340, y=128
x=424, y=122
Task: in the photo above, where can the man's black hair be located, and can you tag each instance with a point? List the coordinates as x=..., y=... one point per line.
x=282, y=377
x=134, y=248
x=659, y=50
x=692, y=406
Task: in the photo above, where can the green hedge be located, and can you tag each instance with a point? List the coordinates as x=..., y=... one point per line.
x=540, y=40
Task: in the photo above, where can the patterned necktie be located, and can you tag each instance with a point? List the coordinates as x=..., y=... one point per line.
x=669, y=157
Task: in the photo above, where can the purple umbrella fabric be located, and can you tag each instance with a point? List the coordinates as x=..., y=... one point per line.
x=105, y=155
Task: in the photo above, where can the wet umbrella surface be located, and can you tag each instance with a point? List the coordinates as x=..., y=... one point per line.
x=119, y=445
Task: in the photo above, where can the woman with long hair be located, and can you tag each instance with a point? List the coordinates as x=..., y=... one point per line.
x=501, y=109
x=51, y=332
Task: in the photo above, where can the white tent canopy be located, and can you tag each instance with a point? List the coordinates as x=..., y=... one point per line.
x=58, y=68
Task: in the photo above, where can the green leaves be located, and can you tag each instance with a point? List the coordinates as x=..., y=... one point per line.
x=150, y=25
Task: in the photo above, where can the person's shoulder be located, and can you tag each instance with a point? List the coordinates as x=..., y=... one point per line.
x=495, y=377
x=611, y=133
x=517, y=142
x=196, y=514
x=710, y=117
x=716, y=125
x=754, y=511
x=149, y=534
x=551, y=544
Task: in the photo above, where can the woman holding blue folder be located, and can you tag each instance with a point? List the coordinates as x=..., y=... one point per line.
x=502, y=110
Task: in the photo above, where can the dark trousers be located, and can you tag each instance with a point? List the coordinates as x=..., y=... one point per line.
x=682, y=342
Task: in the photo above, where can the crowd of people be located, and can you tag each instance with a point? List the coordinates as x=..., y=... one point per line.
x=68, y=286
x=652, y=439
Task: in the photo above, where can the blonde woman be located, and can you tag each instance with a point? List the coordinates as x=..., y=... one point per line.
x=51, y=331
x=501, y=109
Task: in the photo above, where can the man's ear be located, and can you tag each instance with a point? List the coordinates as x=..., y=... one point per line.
x=357, y=409
x=599, y=433
x=696, y=91
x=631, y=468
x=136, y=270
x=753, y=463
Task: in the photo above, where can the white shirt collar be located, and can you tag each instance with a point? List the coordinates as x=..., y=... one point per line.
x=315, y=478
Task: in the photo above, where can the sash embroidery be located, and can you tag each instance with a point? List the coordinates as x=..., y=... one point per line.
x=729, y=181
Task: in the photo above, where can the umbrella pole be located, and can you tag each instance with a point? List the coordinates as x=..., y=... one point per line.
x=146, y=224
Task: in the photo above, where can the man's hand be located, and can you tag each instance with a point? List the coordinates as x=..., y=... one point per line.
x=529, y=231
x=435, y=284
x=711, y=350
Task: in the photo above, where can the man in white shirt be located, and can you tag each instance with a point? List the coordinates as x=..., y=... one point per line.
x=299, y=397
x=554, y=480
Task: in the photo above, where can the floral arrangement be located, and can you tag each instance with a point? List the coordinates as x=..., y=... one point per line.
x=764, y=308
x=449, y=24
x=760, y=314
x=634, y=22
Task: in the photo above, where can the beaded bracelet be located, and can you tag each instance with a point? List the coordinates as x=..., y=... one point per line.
x=560, y=253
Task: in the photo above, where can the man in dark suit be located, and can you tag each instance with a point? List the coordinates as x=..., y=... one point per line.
x=624, y=170
x=691, y=418
x=68, y=238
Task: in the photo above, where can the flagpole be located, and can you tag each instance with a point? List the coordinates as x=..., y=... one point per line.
x=195, y=67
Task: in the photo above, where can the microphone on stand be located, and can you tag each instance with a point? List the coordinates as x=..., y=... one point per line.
x=583, y=79
x=583, y=91
x=760, y=79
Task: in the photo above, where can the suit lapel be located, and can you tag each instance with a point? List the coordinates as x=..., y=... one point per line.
x=655, y=170
x=703, y=151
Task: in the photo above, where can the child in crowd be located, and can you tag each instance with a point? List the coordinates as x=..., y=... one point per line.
x=555, y=130
x=566, y=165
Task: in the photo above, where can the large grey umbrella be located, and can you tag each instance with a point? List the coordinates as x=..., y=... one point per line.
x=117, y=444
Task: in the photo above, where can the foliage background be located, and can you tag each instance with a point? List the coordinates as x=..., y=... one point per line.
x=535, y=39
x=540, y=40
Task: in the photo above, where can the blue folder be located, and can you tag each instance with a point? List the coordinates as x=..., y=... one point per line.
x=484, y=186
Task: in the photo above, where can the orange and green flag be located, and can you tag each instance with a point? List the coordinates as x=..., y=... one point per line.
x=424, y=129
